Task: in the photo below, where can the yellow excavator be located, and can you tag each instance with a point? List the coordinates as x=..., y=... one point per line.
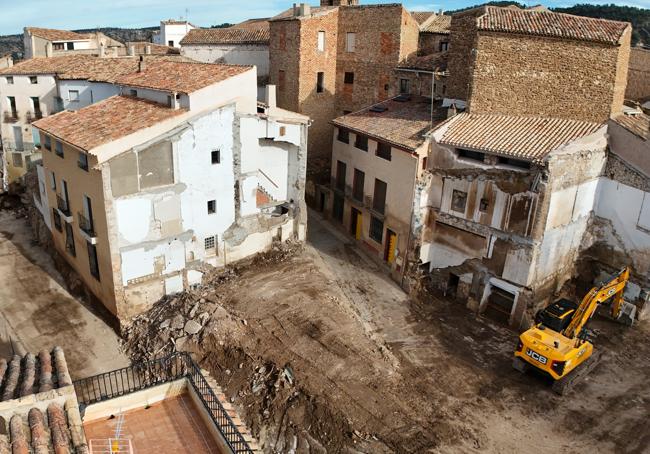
x=559, y=344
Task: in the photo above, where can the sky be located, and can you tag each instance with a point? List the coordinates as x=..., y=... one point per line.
x=79, y=14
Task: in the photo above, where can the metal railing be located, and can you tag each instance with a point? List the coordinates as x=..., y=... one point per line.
x=86, y=225
x=33, y=116
x=156, y=372
x=10, y=117
x=62, y=205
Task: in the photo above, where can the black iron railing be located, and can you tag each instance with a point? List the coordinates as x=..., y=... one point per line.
x=11, y=117
x=33, y=116
x=148, y=374
x=62, y=205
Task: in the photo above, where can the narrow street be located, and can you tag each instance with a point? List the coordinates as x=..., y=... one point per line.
x=37, y=312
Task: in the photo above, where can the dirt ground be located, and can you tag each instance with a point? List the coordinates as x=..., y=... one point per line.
x=38, y=312
x=321, y=352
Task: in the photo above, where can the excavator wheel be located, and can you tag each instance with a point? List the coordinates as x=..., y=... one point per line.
x=566, y=383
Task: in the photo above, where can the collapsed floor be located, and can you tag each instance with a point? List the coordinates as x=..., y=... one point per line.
x=322, y=353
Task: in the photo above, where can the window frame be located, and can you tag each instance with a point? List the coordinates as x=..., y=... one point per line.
x=384, y=151
x=70, y=98
x=58, y=149
x=82, y=161
x=361, y=142
x=348, y=78
x=320, y=82
x=372, y=229
x=218, y=155
x=212, y=206
x=379, y=208
x=452, y=206
x=350, y=42
x=358, y=185
x=320, y=44
x=9, y=80
x=33, y=80
x=342, y=134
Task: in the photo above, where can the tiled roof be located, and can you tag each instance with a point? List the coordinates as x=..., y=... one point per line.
x=314, y=11
x=180, y=77
x=433, y=62
x=226, y=36
x=23, y=376
x=527, y=138
x=55, y=35
x=545, y=23
x=402, y=124
x=140, y=48
x=638, y=125
x=438, y=23
x=421, y=16
x=105, y=121
x=253, y=24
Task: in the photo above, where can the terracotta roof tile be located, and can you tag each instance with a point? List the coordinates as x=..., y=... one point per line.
x=432, y=62
x=637, y=124
x=421, y=16
x=55, y=35
x=105, y=121
x=253, y=24
x=546, y=23
x=403, y=124
x=527, y=138
x=139, y=48
x=227, y=36
x=436, y=24
x=180, y=77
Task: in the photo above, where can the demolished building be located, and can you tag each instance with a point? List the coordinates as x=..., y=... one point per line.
x=181, y=169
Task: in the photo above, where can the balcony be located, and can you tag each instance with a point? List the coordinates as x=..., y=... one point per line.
x=33, y=116
x=64, y=208
x=10, y=117
x=87, y=228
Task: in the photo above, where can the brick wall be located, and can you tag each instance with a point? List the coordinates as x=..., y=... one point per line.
x=463, y=35
x=638, y=76
x=526, y=75
x=420, y=83
x=284, y=67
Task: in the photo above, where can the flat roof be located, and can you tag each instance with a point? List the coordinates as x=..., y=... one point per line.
x=400, y=123
x=105, y=121
x=526, y=138
x=172, y=425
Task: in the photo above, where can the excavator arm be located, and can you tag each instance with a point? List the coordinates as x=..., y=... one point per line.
x=596, y=296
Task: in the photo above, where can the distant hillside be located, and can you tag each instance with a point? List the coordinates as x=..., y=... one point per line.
x=638, y=17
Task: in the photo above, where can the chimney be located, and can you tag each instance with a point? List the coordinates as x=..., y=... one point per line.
x=131, y=50
x=305, y=9
x=270, y=96
x=141, y=64
x=295, y=10
x=147, y=49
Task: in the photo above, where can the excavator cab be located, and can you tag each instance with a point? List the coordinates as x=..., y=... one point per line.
x=557, y=316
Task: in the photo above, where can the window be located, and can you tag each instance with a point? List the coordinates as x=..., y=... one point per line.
x=83, y=161
x=133, y=93
x=58, y=46
x=92, y=260
x=216, y=156
x=212, y=206
x=341, y=168
x=170, y=101
x=283, y=131
x=424, y=163
x=210, y=243
x=376, y=229
x=281, y=75
x=361, y=142
x=404, y=86
x=69, y=240
x=357, y=185
x=86, y=217
x=513, y=162
x=58, y=148
x=343, y=135
x=12, y=105
x=73, y=95
x=458, y=201
x=444, y=46
x=383, y=151
x=170, y=43
x=57, y=220
x=36, y=104
x=349, y=78
x=48, y=143
x=379, y=198
x=320, y=79
x=70, y=46
x=483, y=205
x=321, y=41
x=469, y=154
x=53, y=181
x=17, y=159
x=350, y=42
x=10, y=80
x=33, y=80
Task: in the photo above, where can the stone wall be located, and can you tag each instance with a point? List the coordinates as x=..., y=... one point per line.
x=420, y=83
x=526, y=75
x=638, y=77
x=463, y=35
x=429, y=43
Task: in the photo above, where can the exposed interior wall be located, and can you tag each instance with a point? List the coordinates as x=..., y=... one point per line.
x=233, y=54
x=88, y=93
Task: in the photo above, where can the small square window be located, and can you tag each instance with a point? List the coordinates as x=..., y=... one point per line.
x=59, y=149
x=483, y=206
x=343, y=136
x=361, y=142
x=383, y=151
x=70, y=46
x=73, y=95
x=58, y=46
x=349, y=78
x=216, y=156
x=210, y=243
x=33, y=79
x=444, y=46
x=10, y=80
x=458, y=201
x=212, y=206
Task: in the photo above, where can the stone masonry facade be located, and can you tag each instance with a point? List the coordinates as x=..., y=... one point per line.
x=638, y=78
